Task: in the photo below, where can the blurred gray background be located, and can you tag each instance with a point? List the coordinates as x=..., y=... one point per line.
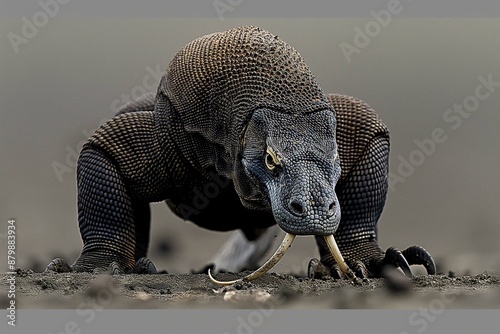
x=65, y=80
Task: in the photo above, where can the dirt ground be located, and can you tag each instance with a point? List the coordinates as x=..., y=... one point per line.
x=93, y=290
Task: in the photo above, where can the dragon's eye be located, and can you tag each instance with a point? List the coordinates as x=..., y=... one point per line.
x=269, y=162
x=271, y=159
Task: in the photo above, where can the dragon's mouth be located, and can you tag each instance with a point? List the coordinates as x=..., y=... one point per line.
x=280, y=252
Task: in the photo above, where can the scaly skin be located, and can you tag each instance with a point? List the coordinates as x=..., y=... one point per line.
x=238, y=121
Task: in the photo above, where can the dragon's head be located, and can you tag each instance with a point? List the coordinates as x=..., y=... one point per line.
x=292, y=165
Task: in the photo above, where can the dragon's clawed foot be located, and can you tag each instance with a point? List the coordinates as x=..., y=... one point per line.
x=317, y=269
x=59, y=265
x=376, y=266
x=413, y=255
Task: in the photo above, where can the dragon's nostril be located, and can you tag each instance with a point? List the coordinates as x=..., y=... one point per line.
x=331, y=209
x=296, y=207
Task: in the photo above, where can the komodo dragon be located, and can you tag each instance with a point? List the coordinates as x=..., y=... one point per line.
x=239, y=135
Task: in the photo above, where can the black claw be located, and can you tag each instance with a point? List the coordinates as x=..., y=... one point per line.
x=360, y=269
x=336, y=272
x=418, y=255
x=145, y=266
x=394, y=257
x=316, y=269
x=115, y=269
x=59, y=266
